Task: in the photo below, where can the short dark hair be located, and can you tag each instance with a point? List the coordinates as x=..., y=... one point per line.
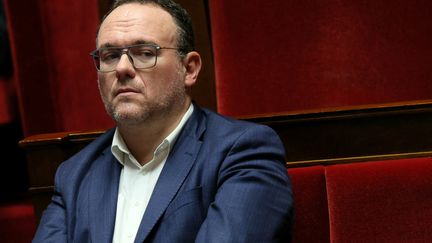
x=185, y=34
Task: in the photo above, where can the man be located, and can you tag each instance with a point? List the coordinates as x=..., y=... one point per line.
x=170, y=171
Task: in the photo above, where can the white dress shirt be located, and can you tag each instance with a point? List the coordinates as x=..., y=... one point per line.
x=137, y=182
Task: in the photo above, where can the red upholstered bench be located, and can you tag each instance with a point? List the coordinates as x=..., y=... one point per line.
x=373, y=201
x=17, y=222
x=388, y=201
x=311, y=222
x=378, y=201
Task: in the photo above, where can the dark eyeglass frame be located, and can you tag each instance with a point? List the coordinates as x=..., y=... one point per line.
x=126, y=50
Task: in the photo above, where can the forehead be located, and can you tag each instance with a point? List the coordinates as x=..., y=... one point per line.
x=134, y=22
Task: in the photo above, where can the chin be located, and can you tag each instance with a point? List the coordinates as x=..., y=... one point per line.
x=128, y=113
x=129, y=119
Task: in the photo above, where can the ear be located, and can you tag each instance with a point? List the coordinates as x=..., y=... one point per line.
x=192, y=63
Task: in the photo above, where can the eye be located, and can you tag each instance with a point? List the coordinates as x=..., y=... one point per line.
x=143, y=52
x=109, y=55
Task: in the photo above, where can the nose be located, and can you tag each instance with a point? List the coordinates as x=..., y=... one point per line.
x=125, y=68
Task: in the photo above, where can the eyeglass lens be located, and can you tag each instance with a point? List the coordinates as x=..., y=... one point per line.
x=141, y=56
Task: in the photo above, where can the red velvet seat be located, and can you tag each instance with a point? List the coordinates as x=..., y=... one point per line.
x=53, y=72
x=311, y=222
x=55, y=82
x=279, y=56
x=389, y=201
x=17, y=222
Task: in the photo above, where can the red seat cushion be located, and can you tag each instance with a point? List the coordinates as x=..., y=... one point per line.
x=310, y=199
x=388, y=201
x=17, y=222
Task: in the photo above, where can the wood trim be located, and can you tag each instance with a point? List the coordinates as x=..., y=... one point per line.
x=325, y=137
x=60, y=137
x=359, y=159
x=332, y=112
x=354, y=133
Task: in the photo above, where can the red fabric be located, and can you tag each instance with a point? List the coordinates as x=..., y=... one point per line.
x=8, y=111
x=311, y=215
x=277, y=56
x=17, y=223
x=386, y=201
x=54, y=75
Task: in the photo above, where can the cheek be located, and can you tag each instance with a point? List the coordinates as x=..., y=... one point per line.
x=156, y=82
x=169, y=76
x=104, y=86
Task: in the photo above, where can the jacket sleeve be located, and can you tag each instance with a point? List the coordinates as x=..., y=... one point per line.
x=52, y=226
x=254, y=200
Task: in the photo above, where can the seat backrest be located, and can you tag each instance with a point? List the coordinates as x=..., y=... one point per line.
x=279, y=56
x=53, y=72
x=388, y=201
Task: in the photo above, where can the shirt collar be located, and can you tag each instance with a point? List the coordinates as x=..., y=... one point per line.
x=121, y=151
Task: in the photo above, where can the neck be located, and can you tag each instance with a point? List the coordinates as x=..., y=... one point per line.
x=143, y=139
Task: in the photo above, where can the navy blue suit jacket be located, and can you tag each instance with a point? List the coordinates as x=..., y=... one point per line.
x=224, y=181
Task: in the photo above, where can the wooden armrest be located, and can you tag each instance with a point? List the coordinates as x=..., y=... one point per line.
x=44, y=154
x=60, y=137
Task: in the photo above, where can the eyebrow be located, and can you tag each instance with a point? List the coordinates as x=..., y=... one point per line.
x=138, y=42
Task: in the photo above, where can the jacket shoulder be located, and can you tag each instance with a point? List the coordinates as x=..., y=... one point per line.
x=89, y=153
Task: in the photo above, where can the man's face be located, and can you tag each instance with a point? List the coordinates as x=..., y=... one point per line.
x=131, y=95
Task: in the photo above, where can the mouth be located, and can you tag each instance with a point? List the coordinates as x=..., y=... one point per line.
x=126, y=91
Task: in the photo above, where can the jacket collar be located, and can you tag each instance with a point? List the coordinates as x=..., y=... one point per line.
x=104, y=182
x=174, y=173
x=105, y=176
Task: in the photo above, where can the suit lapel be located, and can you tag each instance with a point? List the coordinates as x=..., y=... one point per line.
x=174, y=173
x=105, y=174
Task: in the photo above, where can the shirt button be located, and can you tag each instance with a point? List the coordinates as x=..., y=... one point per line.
x=137, y=204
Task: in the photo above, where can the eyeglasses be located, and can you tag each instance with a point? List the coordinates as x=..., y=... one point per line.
x=142, y=56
